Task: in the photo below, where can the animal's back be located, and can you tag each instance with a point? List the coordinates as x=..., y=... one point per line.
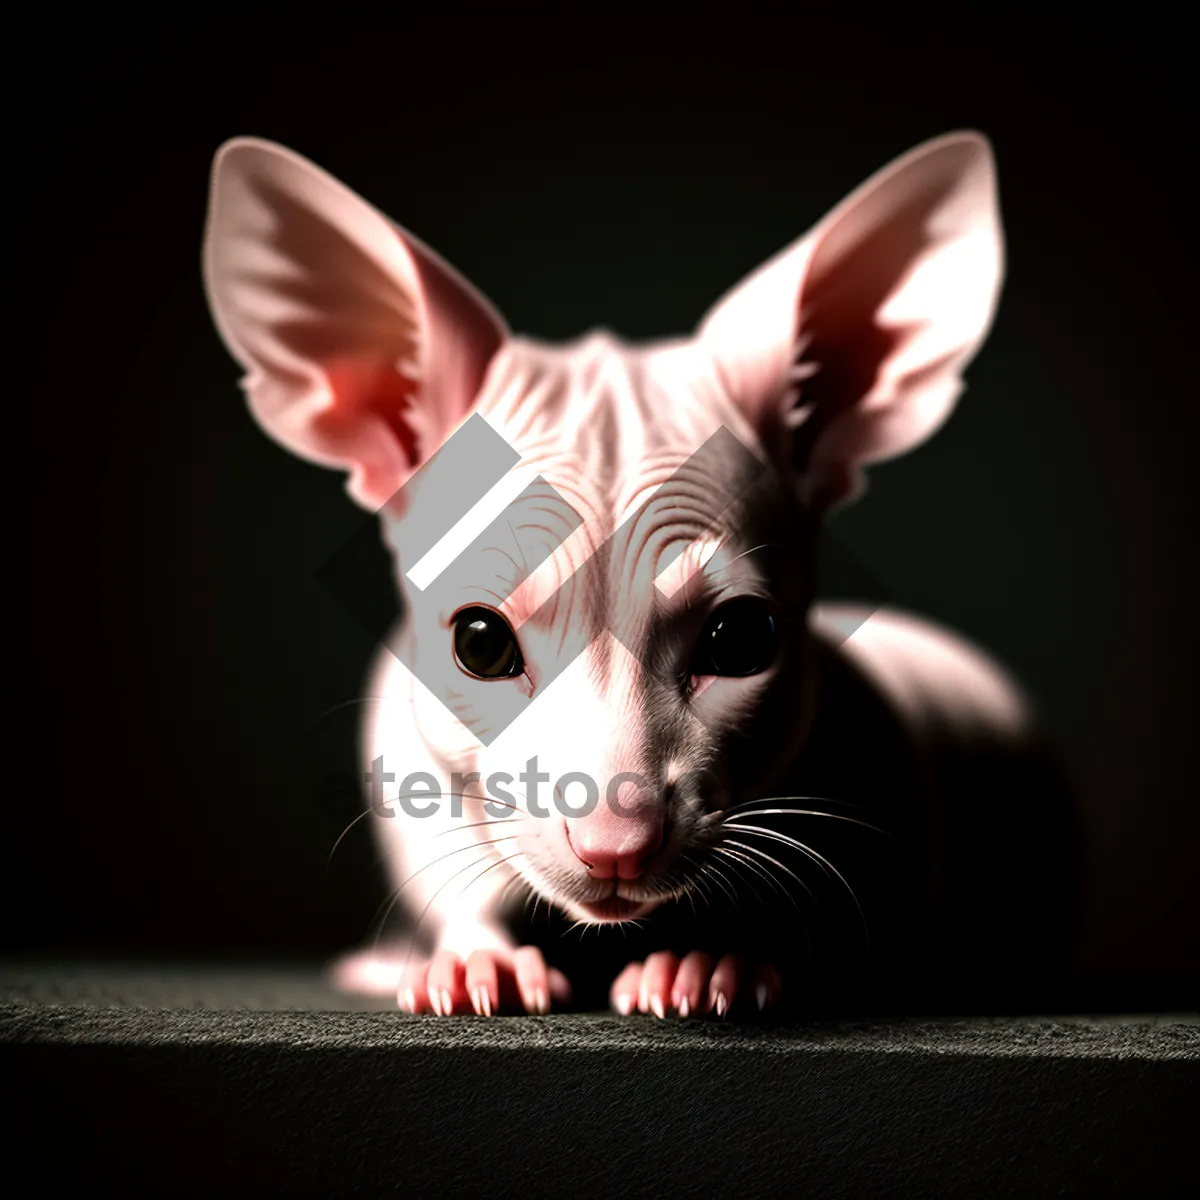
x=934, y=736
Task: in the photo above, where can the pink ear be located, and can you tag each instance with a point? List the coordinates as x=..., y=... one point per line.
x=362, y=349
x=848, y=347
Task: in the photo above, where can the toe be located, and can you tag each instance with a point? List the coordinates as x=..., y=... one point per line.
x=724, y=985
x=413, y=991
x=446, y=984
x=691, y=980
x=560, y=987
x=533, y=979
x=657, y=977
x=483, y=982
x=625, y=989
x=767, y=988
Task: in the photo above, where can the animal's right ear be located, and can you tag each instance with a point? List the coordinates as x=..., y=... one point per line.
x=363, y=350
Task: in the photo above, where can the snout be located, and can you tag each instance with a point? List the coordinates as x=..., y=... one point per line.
x=614, y=844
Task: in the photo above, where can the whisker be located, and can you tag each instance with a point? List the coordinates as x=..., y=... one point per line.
x=365, y=813
x=802, y=812
x=491, y=867
x=470, y=587
x=517, y=878
x=726, y=885
x=771, y=878
x=413, y=795
x=524, y=568
x=510, y=558
x=818, y=858
x=702, y=888
x=790, y=799
x=774, y=862
x=477, y=824
x=687, y=858
x=744, y=553
x=676, y=887
x=446, y=883
x=395, y=895
x=466, y=796
x=737, y=859
x=760, y=831
x=338, y=707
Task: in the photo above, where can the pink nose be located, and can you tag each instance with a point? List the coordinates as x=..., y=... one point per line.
x=615, y=850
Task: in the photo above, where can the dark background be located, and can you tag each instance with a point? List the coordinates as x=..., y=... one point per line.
x=582, y=167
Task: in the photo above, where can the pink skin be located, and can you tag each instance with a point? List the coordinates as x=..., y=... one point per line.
x=694, y=986
x=487, y=983
x=364, y=351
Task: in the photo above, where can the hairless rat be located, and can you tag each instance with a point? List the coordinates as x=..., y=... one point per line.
x=613, y=667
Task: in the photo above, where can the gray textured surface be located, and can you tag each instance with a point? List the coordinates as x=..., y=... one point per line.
x=200, y=1081
x=285, y=1006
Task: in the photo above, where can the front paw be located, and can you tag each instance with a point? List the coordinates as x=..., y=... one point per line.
x=485, y=982
x=694, y=986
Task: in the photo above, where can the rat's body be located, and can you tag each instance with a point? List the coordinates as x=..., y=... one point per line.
x=640, y=616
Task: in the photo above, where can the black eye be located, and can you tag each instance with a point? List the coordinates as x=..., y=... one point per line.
x=485, y=645
x=739, y=639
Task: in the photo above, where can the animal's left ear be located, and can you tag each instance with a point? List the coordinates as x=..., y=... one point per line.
x=849, y=347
